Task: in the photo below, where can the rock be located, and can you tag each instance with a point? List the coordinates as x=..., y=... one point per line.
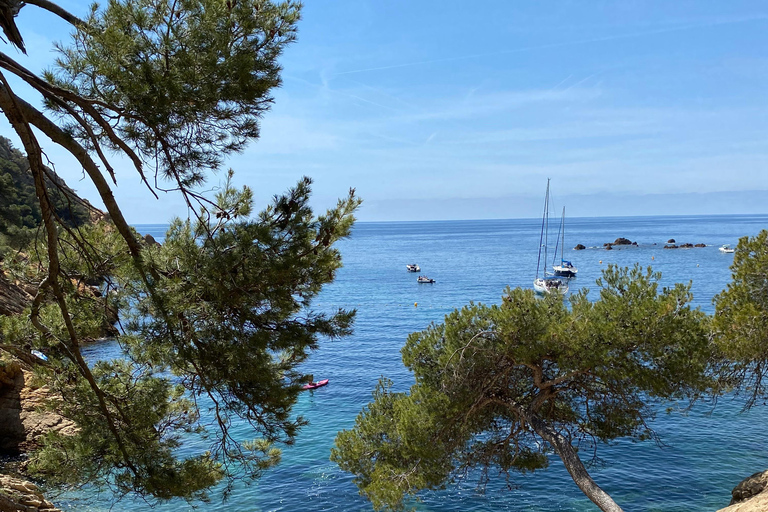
x=671, y=241
x=579, y=247
x=22, y=418
x=749, y=487
x=13, y=297
x=750, y=495
x=608, y=247
x=622, y=241
x=686, y=246
x=150, y=240
x=17, y=495
x=673, y=246
x=700, y=245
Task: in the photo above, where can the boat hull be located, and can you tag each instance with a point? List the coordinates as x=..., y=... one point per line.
x=315, y=385
x=564, y=271
x=550, y=285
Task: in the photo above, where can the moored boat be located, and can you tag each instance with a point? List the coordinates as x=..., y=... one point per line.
x=565, y=268
x=547, y=284
x=413, y=267
x=424, y=279
x=727, y=249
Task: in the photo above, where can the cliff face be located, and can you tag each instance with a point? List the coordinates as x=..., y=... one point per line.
x=22, y=420
x=13, y=298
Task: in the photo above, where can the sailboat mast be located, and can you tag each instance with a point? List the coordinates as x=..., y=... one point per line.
x=541, y=237
x=562, y=228
x=557, y=243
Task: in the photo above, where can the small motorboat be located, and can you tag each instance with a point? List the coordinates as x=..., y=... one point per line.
x=412, y=267
x=727, y=249
x=315, y=385
x=424, y=279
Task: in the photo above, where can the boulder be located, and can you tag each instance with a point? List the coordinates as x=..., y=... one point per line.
x=686, y=246
x=671, y=241
x=608, y=247
x=700, y=245
x=22, y=418
x=749, y=487
x=622, y=241
x=673, y=246
x=750, y=494
x=17, y=495
x=579, y=247
x=150, y=240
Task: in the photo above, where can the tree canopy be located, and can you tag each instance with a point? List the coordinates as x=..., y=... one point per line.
x=502, y=386
x=740, y=323
x=217, y=318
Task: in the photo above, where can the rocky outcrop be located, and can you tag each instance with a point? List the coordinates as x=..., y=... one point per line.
x=686, y=245
x=13, y=297
x=623, y=241
x=22, y=419
x=750, y=494
x=17, y=495
x=579, y=247
x=671, y=241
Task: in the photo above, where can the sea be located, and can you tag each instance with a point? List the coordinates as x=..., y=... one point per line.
x=703, y=452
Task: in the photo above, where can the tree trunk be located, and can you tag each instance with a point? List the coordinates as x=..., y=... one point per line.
x=573, y=464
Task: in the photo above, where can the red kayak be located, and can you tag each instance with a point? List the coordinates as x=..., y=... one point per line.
x=315, y=385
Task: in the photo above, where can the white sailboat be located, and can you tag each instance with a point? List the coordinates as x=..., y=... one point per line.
x=565, y=268
x=547, y=283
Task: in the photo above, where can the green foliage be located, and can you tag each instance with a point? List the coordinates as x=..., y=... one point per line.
x=740, y=323
x=19, y=210
x=185, y=81
x=489, y=376
x=228, y=320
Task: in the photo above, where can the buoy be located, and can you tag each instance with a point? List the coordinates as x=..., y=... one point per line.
x=697, y=264
x=415, y=304
x=653, y=257
x=601, y=261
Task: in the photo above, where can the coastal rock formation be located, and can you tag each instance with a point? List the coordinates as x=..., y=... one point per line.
x=13, y=298
x=22, y=421
x=623, y=241
x=671, y=241
x=579, y=247
x=750, y=495
x=150, y=240
x=683, y=246
x=17, y=495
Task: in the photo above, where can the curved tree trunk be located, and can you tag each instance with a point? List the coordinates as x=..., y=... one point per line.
x=573, y=464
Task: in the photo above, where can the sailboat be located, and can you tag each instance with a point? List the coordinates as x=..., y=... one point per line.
x=547, y=284
x=565, y=268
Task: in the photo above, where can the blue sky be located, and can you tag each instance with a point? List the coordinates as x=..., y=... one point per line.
x=447, y=110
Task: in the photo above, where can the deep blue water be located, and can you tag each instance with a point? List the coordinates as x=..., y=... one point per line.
x=706, y=452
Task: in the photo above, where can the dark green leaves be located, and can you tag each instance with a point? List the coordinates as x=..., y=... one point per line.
x=495, y=385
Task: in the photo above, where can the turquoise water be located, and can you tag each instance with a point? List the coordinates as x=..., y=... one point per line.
x=705, y=454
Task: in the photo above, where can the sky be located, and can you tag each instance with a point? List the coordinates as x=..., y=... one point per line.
x=462, y=110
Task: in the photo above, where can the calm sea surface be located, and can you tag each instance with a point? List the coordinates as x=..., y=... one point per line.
x=706, y=452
